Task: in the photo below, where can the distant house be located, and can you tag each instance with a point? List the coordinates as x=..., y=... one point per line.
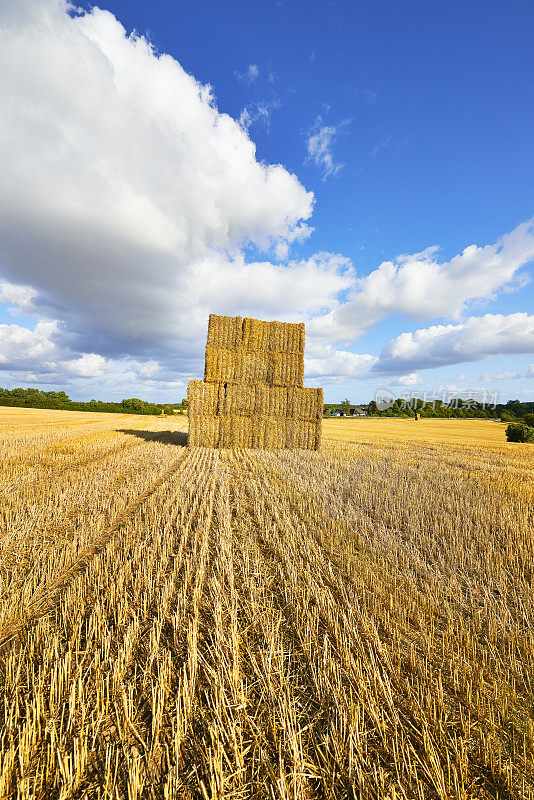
x=344, y=411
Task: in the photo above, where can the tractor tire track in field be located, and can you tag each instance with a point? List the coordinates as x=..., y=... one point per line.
x=75, y=496
x=44, y=601
x=55, y=474
x=143, y=688
x=139, y=663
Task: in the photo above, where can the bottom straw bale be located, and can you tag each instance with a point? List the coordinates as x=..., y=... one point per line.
x=303, y=435
x=204, y=430
x=258, y=432
x=242, y=429
x=275, y=437
x=226, y=432
x=261, y=417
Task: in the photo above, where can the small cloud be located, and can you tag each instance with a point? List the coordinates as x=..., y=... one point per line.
x=380, y=146
x=89, y=365
x=530, y=371
x=20, y=298
x=319, y=144
x=250, y=75
x=500, y=376
x=257, y=112
x=407, y=380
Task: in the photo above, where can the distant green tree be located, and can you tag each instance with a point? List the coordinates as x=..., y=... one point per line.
x=518, y=432
x=345, y=407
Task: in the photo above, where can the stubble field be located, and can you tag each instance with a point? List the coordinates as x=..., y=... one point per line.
x=353, y=623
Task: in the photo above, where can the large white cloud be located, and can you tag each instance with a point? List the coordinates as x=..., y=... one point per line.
x=128, y=202
x=473, y=340
x=420, y=286
x=42, y=355
x=335, y=366
x=23, y=348
x=123, y=188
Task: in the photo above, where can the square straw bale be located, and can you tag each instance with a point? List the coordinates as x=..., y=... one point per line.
x=213, y=367
x=226, y=431
x=224, y=331
x=215, y=331
x=204, y=398
x=194, y=397
x=275, y=437
x=258, y=432
x=203, y=430
x=301, y=434
x=220, y=365
x=286, y=369
x=218, y=331
x=251, y=367
x=304, y=403
x=239, y=399
x=242, y=431
x=255, y=334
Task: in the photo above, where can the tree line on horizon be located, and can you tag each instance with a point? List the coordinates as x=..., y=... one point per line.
x=512, y=411
x=37, y=398
x=456, y=408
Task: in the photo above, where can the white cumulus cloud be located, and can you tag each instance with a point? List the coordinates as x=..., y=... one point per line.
x=420, y=286
x=473, y=340
x=24, y=348
x=119, y=178
x=335, y=366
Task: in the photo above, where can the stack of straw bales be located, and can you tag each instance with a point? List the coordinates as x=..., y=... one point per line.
x=252, y=394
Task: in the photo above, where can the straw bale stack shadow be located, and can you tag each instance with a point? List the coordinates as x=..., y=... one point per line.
x=252, y=395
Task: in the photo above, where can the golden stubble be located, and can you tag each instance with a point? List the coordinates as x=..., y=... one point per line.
x=351, y=623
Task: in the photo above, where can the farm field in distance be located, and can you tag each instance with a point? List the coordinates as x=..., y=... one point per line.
x=445, y=431
x=356, y=622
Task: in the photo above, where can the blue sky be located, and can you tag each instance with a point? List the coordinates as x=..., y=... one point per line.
x=411, y=123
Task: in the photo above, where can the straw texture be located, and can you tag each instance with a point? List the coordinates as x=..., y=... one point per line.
x=252, y=394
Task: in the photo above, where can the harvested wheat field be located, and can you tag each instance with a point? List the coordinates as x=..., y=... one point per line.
x=356, y=622
x=443, y=431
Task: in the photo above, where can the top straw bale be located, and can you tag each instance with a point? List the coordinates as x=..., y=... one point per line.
x=254, y=335
x=224, y=331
